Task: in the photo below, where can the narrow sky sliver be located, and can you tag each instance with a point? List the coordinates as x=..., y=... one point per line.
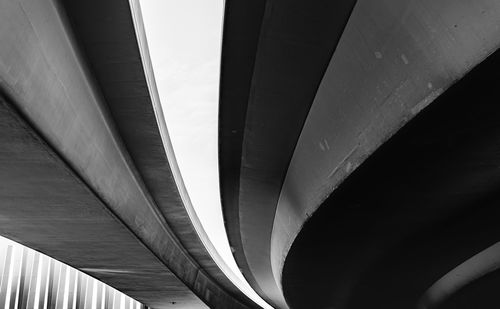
x=184, y=39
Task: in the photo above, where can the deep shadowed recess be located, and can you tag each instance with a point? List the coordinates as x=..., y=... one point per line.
x=482, y=293
x=423, y=203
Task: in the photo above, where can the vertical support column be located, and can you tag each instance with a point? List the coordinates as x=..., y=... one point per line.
x=61, y=286
x=71, y=287
x=55, y=269
x=16, y=271
x=44, y=281
x=82, y=288
x=5, y=277
x=25, y=281
x=33, y=282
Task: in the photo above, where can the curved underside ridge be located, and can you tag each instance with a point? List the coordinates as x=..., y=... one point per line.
x=394, y=58
x=294, y=45
x=422, y=204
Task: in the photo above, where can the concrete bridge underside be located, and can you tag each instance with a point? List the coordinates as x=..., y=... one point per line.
x=302, y=106
x=416, y=225
x=309, y=91
x=87, y=171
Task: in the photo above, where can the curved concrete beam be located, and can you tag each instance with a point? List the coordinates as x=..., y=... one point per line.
x=242, y=23
x=47, y=207
x=45, y=74
x=422, y=204
x=474, y=268
x=395, y=57
x=283, y=52
x=122, y=65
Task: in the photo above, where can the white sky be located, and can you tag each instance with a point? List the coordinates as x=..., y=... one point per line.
x=184, y=38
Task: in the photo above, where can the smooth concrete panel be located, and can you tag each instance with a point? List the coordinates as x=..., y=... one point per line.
x=292, y=43
x=47, y=207
x=394, y=58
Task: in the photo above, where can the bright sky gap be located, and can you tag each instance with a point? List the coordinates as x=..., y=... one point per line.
x=184, y=39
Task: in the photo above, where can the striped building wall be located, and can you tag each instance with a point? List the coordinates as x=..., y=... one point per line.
x=29, y=279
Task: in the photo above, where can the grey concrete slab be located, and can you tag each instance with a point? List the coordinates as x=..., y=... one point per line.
x=45, y=74
x=127, y=83
x=394, y=58
x=422, y=204
x=242, y=24
x=47, y=207
x=291, y=42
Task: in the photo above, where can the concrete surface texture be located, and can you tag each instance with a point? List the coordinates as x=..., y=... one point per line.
x=350, y=174
x=47, y=207
x=295, y=123
x=125, y=77
x=416, y=225
x=269, y=80
x=31, y=280
x=77, y=90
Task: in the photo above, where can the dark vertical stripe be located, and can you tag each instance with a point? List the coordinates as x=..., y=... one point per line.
x=53, y=282
x=25, y=280
x=82, y=288
x=61, y=287
x=110, y=293
x=34, y=278
x=71, y=287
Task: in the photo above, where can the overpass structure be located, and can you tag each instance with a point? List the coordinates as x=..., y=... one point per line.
x=357, y=143
x=313, y=98
x=87, y=170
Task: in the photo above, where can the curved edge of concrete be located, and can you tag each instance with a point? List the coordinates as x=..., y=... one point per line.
x=155, y=99
x=43, y=70
x=241, y=29
x=55, y=212
x=282, y=54
x=473, y=269
x=381, y=101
